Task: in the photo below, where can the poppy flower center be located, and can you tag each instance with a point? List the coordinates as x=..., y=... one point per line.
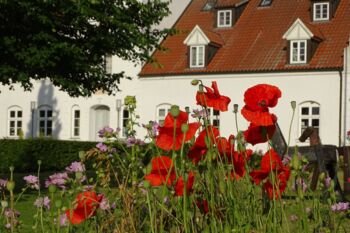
x=262, y=103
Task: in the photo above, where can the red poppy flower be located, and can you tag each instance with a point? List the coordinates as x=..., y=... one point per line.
x=212, y=98
x=165, y=139
x=202, y=204
x=87, y=203
x=258, y=117
x=261, y=97
x=272, y=163
x=199, y=148
x=180, y=187
x=226, y=147
x=162, y=171
x=258, y=134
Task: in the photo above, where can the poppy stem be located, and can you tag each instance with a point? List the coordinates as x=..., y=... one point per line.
x=290, y=129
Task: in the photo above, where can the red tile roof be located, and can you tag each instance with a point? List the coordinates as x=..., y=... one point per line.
x=254, y=43
x=227, y=3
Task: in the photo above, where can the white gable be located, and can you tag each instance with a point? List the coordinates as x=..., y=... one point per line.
x=298, y=31
x=196, y=37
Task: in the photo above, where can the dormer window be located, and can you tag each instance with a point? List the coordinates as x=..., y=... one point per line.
x=298, y=51
x=303, y=40
x=321, y=11
x=197, y=56
x=265, y=3
x=224, y=18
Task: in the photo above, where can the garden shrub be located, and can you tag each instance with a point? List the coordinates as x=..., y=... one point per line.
x=54, y=154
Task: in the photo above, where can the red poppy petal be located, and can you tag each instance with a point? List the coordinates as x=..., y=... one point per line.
x=73, y=217
x=259, y=175
x=259, y=134
x=258, y=118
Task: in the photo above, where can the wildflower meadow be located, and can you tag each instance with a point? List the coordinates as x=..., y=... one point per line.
x=183, y=177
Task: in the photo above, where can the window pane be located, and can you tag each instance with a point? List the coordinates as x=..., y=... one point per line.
x=77, y=114
x=49, y=124
x=216, y=122
x=42, y=113
x=19, y=124
x=228, y=18
x=12, y=131
x=295, y=51
x=76, y=131
x=216, y=113
x=161, y=112
x=76, y=123
x=48, y=131
x=42, y=124
x=19, y=114
x=315, y=122
x=12, y=124
x=304, y=122
x=221, y=18
x=315, y=111
x=304, y=111
x=125, y=114
x=200, y=56
x=194, y=56
x=49, y=113
x=125, y=122
x=325, y=11
x=12, y=114
x=19, y=130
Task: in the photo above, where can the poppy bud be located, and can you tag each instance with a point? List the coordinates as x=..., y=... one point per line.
x=322, y=176
x=293, y=104
x=295, y=162
x=184, y=128
x=4, y=204
x=175, y=111
x=187, y=109
x=235, y=108
x=39, y=162
x=195, y=82
x=12, y=168
x=10, y=185
x=52, y=188
x=58, y=203
x=78, y=175
x=81, y=155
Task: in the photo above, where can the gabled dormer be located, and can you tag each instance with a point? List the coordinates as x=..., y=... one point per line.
x=302, y=42
x=323, y=10
x=228, y=12
x=202, y=46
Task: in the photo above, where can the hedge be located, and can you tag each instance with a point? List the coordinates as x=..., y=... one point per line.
x=54, y=154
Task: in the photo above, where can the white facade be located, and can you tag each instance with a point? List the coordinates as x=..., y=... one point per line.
x=330, y=90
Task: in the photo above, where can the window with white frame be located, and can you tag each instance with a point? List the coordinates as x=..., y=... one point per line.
x=162, y=112
x=15, y=115
x=214, y=116
x=309, y=116
x=298, y=51
x=126, y=117
x=321, y=11
x=224, y=18
x=197, y=56
x=266, y=3
x=75, y=121
x=45, y=121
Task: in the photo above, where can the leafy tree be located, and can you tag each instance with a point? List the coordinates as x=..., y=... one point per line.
x=67, y=40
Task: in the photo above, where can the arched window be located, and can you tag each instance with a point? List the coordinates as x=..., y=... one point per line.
x=309, y=115
x=45, y=120
x=75, y=121
x=14, y=117
x=162, y=111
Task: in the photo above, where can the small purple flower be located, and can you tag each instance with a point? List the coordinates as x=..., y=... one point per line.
x=327, y=182
x=300, y=183
x=3, y=184
x=76, y=167
x=8, y=213
x=32, y=181
x=63, y=220
x=113, y=205
x=102, y=147
x=8, y=226
x=293, y=218
x=286, y=159
x=105, y=132
x=42, y=202
x=340, y=206
x=130, y=141
x=199, y=113
x=104, y=204
x=58, y=179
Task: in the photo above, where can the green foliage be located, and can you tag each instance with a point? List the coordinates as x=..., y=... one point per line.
x=24, y=154
x=67, y=40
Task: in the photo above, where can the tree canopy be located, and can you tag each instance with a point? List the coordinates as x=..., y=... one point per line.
x=67, y=40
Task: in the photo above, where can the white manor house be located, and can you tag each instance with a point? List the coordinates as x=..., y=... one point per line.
x=300, y=46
